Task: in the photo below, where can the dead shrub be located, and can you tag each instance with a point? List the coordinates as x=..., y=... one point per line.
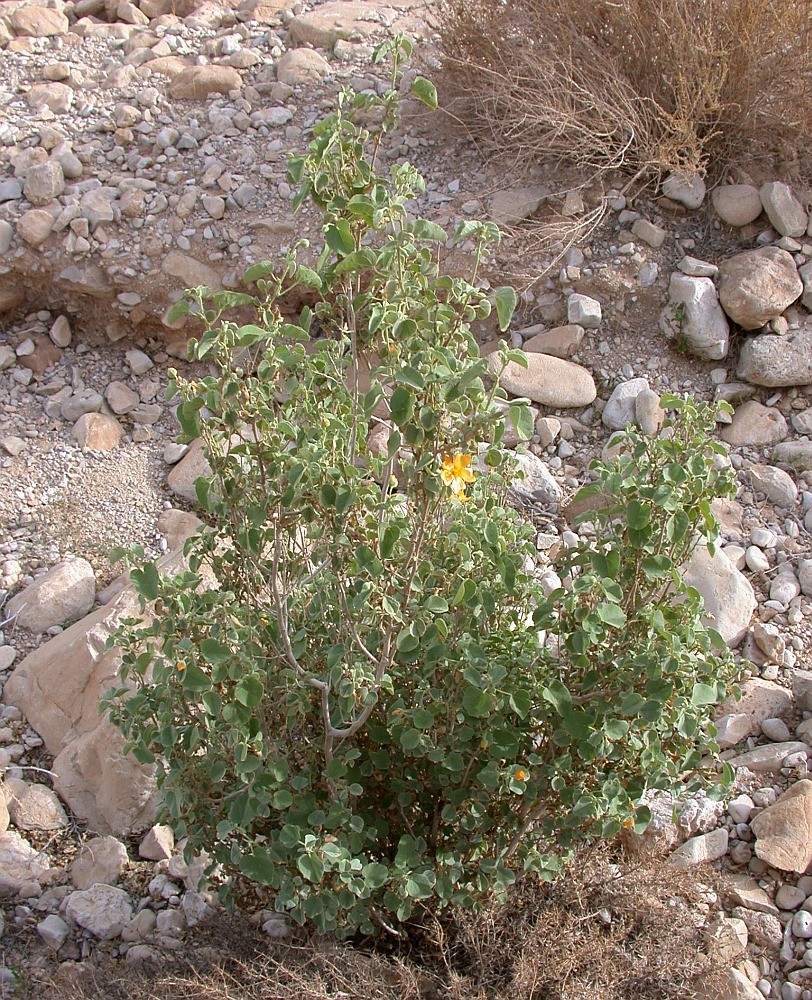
x=644, y=86
x=601, y=932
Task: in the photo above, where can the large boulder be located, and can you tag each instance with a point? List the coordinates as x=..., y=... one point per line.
x=786, y=214
x=63, y=594
x=197, y=82
x=694, y=314
x=758, y=285
x=547, y=380
x=728, y=595
x=777, y=361
x=58, y=688
x=784, y=830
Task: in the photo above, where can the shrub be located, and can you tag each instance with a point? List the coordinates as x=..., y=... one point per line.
x=643, y=86
x=358, y=695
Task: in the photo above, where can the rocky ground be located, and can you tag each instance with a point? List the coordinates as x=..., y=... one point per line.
x=143, y=150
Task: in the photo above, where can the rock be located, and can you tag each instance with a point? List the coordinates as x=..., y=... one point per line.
x=56, y=97
x=789, y=897
x=158, y=845
x=54, y=931
x=560, y=342
x=731, y=729
x=189, y=271
x=648, y=413
x=739, y=987
x=97, y=432
x=777, y=361
x=802, y=689
x=769, y=758
x=786, y=214
x=509, y=208
x=195, y=83
x=58, y=688
x=35, y=226
x=102, y=909
x=649, y=233
x=727, y=939
x=744, y=891
x=299, y=66
x=63, y=594
x=192, y=466
x=777, y=485
x=776, y=730
x=20, y=863
x=694, y=314
x=196, y=908
x=758, y=285
x=728, y=595
x=263, y=11
x=702, y=849
x=84, y=401
x=44, y=182
x=584, y=311
x=737, y=204
x=139, y=362
x=536, y=482
x=34, y=807
x=760, y=700
x=120, y=397
x=755, y=425
x=39, y=22
x=620, y=407
x=60, y=332
x=805, y=272
x=784, y=830
x=101, y=859
x=329, y=22
x=762, y=928
x=797, y=454
x=551, y=381
x=687, y=189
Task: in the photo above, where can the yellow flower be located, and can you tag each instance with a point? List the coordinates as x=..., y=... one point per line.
x=181, y=666
x=521, y=775
x=456, y=474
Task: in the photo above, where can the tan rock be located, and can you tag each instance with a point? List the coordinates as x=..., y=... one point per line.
x=737, y=204
x=35, y=226
x=189, y=271
x=39, y=22
x=758, y=285
x=784, y=830
x=101, y=859
x=57, y=97
x=739, y=987
x=5, y=819
x=34, y=807
x=168, y=66
x=512, y=206
x=547, y=380
x=20, y=863
x=760, y=700
x=728, y=595
x=58, y=688
x=298, y=66
x=332, y=20
x=46, y=354
x=63, y=594
x=97, y=432
x=196, y=82
x=182, y=477
x=755, y=425
x=264, y=11
x=560, y=342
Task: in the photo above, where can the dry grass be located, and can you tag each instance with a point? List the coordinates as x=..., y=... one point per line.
x=602, y=932
x=642, y=86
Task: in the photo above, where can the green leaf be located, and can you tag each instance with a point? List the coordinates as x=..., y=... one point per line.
x=611, y=614
x=521, y=416
x=703, y=694
x=249, y=691
x=375, y=874
x=422, y=229
x=505, y=300
x=422, y=718
x=307, y=276
x=410, y=739
x=282, y=799
x=475, y=702
x=146, y=581
x=437, y=605
x=339, y=238
x=258, y=271
x=411, y=377
x=637, y=515
x=401, y=405
x=311, y=867
x=426, y=91
x=579, y=725
x=178, y=311
x=214, y=652
x=521, y=703
x=656, y=567
x=195, y=679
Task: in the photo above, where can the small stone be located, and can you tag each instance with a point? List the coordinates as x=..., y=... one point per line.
x=769, y=758
x=777, y=485
x=298, y=66
x=649, y=233
x=802, y=924
x=700, y=850
x=757, y=285
x=693, y=313
x=776, y=730
x=60, y=332
x=687, y=189
x=584, y=311
x=786, y=214
x=755, y=425
x=789, y=897
x=784, y=830
x=158, y=844
x=620, y=407
x=101, y=859
x=547, y=380
x=120, y=397
x=34, y=807
x=53, y=930
x=196, y=83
